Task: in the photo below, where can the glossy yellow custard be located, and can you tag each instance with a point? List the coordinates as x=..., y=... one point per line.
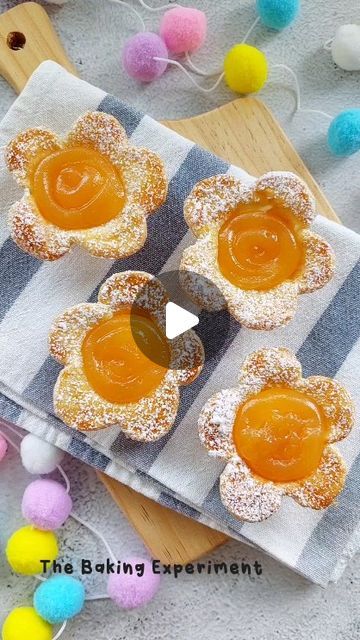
x=259, y=246
x=114, y=364
x=281, y=434
x=77, y=188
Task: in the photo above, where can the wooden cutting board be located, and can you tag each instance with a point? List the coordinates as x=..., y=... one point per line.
x=243, y=132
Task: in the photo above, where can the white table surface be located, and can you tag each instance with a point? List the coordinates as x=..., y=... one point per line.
x=279, y=604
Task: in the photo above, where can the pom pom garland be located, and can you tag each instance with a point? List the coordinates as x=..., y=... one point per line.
x=38, y=456
x=344, y=133
x=27, y=547
x=58, y=599
x=277, y=14
x=139, y=55
x=245, y=69
x=3, y=447
x=24, y=622
x=345, y=47
x=183, y=29
x=46, y=504
x=129, y=591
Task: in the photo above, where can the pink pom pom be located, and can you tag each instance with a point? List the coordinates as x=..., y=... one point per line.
x=131, y=591
x=183, y=29
x=3, y=447
x=46, y=504
x=138, y=56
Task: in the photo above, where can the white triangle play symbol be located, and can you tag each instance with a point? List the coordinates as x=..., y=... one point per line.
x=178, y=320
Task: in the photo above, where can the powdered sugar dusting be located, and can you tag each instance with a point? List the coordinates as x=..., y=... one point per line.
x=21, y=151
x=212, y=199
x=42, y=240
x=99, y=131
x=335, y=401
x=246, y=497
x=319, y=491
x=273, y=366
x=292, y=191
x=319, y=263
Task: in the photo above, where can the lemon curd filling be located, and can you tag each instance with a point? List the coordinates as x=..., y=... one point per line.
x=259, y=246
x=77, y=188
x=281, y=434
x=114, y=363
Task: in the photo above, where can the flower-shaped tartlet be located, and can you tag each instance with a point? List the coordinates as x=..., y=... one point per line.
x=254, y=244
x=120, y=369
x=276, y=430
x=93, y=189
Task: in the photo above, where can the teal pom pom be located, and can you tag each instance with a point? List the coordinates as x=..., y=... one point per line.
x=277, y=14
x=344, y=133
x=59, y=598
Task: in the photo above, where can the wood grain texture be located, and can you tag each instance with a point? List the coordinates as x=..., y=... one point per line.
x=243, y=132
x=41, y=43
x=169, y=536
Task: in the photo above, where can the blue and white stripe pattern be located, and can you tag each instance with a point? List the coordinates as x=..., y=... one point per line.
x=176, y=470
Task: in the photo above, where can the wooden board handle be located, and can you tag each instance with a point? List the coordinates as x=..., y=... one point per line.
x=27, y=38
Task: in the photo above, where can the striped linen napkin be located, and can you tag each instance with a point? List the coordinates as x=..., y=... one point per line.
x=176, y=470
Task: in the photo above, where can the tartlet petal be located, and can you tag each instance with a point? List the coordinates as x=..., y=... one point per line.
x=121, y=237
x=319, y=263
x=335, y=402
x=99, y=131
x=21, y=151
x=319, y=490
x=77, y=404
x=292, y=191
x=247, y=497
x=70, y=328
x=210, y=201
x=273, y=366
x=80, y=407
x=153, y=416
x=129, y=287
x=187, y=357
x=33, y=234
x=194, y=265
x=216, y=422
x=144, y=176
x=262, y=310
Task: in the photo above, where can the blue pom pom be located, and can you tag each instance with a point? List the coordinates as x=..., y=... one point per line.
x=59, y=598
x=344, y=133
x=277, y=14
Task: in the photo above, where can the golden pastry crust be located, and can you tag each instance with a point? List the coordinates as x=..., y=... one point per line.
x=246, y=495
x=206, y=209
x=76, y=402
x=142, y=172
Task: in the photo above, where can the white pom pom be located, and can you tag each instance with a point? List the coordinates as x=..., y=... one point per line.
x=38, y=456
x=345, y=48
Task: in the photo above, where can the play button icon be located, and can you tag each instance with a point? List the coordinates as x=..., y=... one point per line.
x=180, y=314
x=178, y=320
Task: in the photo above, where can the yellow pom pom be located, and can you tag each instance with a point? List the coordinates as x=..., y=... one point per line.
x=25, y=624
x=27, y=547
x=245, y=69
